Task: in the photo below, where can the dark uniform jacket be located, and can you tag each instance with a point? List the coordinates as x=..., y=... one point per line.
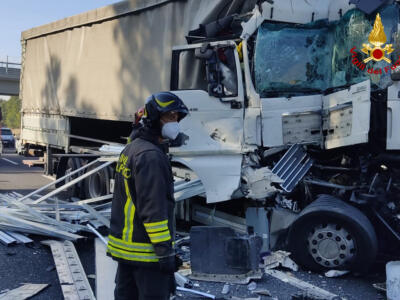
x=142, y=216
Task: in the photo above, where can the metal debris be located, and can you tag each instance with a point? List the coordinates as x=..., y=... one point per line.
x=234, y=279
x=225, y=289
x=72, y=277
x=280, y=258
x=252, y=286
x=262, y=292
x=6, y=239
x=302, y=285
x=23, y=292
x=182, y=281
x=336, y=273
x=20, y=237
x=238, y=298
x=381, y=286
x=182, y=289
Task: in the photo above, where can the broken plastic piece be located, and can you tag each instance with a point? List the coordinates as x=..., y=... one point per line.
x=336, y=273
x=280, y=258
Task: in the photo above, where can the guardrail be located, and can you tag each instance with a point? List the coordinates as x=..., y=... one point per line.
x=9, y=65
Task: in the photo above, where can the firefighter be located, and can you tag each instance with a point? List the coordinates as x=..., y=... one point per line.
x=142, y=216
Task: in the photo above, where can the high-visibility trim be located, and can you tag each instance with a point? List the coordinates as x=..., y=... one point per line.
x=133, y=256
x=160, y=236
x=139, y=247
x=164, y=104
x=157, y=228
x=153, y=224
x=129, y=212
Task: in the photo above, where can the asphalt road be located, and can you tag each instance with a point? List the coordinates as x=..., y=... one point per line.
x=34, y=264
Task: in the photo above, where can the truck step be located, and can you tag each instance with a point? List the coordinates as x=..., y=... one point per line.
x=292, y=167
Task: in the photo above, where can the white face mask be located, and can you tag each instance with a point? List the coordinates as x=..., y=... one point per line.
x=170, y=130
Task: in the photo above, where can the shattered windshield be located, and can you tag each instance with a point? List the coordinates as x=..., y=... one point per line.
x=314, y=57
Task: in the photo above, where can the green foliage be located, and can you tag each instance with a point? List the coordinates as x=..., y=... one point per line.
x=11, y=112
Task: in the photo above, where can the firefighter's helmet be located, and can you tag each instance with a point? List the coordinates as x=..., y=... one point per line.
x=160, y=103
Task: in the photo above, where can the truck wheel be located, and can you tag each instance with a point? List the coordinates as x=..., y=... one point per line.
x=66, y=166
x=97, y=184
x=331, y=234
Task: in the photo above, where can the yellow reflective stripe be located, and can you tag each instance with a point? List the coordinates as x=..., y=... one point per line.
x=149, y=248
x=153, y=224
x=161, y=239
x=164, y=104
x=144, y=257
x=159, y=233
x=160, y=236
x=129, y=212
x=134, y=244
x=158, y=228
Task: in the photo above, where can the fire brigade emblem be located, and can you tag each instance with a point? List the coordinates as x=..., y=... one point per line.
x=377, y=38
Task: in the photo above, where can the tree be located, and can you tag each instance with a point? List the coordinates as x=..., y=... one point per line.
x=11, y=112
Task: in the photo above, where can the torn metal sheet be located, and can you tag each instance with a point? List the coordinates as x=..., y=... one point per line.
x=182, y=280
x=280, y=259
x=304, y=286
x=71, y=274
x=6, y=239
x=184, y=190
x=182, y=289
x=38, y=215
x=23, y=292
x=234, y=279
x=97, y=215
x=20, y=237
x=33, y=227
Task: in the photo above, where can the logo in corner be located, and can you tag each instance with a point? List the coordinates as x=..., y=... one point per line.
x=377, y=38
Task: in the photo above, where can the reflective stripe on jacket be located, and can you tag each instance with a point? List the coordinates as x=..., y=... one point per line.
x=142, y=216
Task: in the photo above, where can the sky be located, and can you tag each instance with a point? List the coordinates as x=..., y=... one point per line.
x=20, y=15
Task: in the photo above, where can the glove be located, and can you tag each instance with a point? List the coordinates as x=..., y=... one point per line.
x=167, y=264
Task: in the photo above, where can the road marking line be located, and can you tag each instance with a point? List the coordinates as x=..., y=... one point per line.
x=305, y=286
x=10, y=161
x=49, y=177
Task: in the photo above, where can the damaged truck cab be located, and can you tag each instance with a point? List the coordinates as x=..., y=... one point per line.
x=287, y=121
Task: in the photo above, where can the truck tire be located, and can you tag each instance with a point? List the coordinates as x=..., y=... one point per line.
x=97, y=184
x=65, y=166
x=331, y=234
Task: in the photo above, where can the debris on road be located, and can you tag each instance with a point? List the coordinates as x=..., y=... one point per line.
x=252, y=286
x=23, y=292
x=225, y=289
x=280, y=259
x=56, y=218
x=182, y=289
x=381, y=286
x=72, y=277
x=182, y=281
x=304, y=286
x=262, y=292
x=336, y=273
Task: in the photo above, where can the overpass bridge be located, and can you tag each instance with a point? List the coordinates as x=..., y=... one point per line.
x=9, y=78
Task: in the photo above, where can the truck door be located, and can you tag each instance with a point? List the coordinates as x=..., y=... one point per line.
x=206, y=78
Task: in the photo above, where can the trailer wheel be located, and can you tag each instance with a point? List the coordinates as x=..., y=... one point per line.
x=331, y=234
x=97, y=184
x=66, y=166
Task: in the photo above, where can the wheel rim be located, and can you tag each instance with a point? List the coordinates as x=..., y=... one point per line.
x=96, y=185
x=331, y=245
